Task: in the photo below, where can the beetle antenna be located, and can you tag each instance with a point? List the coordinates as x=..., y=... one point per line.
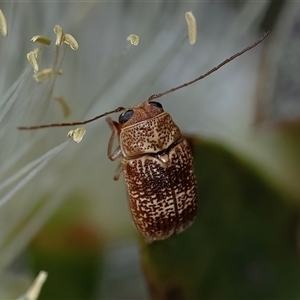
x=72, y=124
x=155, y=96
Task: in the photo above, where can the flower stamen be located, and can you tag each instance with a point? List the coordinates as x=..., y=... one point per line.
x=41, y=39
x=77, y=134
x=3, y=24
x=192, y=27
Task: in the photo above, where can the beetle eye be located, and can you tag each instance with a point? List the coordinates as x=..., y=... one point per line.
x=156, y=104
x=125, y=116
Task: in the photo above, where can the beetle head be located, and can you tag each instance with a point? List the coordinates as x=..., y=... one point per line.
x=139, y=113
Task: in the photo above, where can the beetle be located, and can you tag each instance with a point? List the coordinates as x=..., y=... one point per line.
x=156, y=162
x=158, y=171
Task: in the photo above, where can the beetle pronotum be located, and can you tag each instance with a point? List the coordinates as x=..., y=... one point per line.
x=156, y=162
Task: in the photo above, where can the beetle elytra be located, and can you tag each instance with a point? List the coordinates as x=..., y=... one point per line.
x=156, y=162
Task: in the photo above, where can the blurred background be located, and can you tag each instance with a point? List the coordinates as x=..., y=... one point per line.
x=60, y=209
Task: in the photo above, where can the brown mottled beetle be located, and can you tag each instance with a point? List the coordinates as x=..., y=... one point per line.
x=158, y=171
x=157, y=164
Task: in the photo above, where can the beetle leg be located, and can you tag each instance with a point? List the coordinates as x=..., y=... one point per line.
x=118, y=172
x=113, y=155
